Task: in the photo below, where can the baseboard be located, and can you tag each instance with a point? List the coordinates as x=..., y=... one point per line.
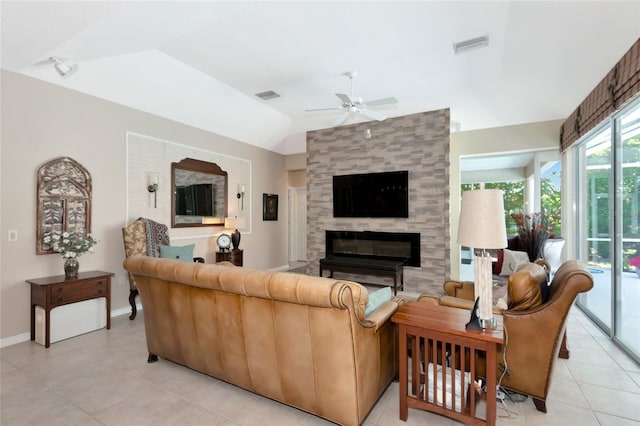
x=8, y=341
x=25, y=337
x=282, y=268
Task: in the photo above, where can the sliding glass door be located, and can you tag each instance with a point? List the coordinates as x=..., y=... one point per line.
x=627, y=306
x=597, y=223
x=608, y=216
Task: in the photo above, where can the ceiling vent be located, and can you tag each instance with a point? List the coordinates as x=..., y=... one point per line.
x=471, y=44
x=269, y=94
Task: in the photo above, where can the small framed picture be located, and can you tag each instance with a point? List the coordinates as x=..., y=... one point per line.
x=269, y=206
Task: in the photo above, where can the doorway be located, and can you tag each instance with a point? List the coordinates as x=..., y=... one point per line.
x=297, y=224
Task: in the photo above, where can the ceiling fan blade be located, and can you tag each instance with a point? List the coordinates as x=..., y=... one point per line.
x=340, y=121
x=344, y=98
x=383, y=101
x=373, y=114
x=324, y=109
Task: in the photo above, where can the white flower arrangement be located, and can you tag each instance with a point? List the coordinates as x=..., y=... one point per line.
x=71, y=245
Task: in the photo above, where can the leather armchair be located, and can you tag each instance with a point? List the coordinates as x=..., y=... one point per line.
x=534, y=331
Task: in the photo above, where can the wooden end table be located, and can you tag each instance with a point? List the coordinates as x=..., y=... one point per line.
x=441, y=351
x=233, y=256
x=50, y=292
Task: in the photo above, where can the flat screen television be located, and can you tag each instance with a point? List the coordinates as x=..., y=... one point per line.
x=194, y=200
x=383, y=194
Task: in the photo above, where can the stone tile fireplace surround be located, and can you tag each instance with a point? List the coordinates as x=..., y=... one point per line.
x=418, y=143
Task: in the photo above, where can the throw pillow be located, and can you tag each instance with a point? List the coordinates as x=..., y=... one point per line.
x=377, y=299
x=513, y=259
x=184, y=253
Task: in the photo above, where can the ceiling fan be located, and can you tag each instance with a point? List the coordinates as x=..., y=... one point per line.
x=352, y=105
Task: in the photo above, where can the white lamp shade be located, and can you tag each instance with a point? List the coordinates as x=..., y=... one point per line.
x=482, y=219
x=235, y=222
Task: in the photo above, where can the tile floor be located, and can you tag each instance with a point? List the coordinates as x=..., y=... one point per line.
x=102, y=378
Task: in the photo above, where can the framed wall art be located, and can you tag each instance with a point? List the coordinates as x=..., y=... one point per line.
x=269, y=206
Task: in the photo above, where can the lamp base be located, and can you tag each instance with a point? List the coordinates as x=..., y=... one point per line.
x=488, y=324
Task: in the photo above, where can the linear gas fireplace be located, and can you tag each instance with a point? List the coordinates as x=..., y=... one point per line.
x=404, y=246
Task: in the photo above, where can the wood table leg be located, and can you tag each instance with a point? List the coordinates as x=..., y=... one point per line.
x=491, y=385
x=404, y=371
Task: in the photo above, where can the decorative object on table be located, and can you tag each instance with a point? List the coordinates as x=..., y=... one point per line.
x=63, y=199
x=235, y=223
x=482, y=226
x=533, y=230
x=269, y=206
x=153, y=188
x=224, y=242
x=71, y=246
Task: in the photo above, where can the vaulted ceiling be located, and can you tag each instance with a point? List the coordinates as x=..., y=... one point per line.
x=201, y=63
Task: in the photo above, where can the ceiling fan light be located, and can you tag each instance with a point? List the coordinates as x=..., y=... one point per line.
x=65, y=67
x=474, y=43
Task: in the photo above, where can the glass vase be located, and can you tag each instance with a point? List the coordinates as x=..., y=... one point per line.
x=71, y=266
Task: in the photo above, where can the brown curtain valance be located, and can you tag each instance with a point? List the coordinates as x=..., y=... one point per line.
x=619, y=85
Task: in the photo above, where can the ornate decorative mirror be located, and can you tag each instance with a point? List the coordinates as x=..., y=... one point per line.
x=64, y=200
x=199, y=194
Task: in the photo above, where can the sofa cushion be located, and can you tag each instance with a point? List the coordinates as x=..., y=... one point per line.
x=513, y=259
x=184, y=253
x=377, y=299
x=524, y=287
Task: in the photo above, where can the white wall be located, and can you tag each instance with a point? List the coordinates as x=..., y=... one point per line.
x=41, y=121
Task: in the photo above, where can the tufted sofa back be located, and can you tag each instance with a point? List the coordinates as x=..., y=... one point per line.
x=300, y=340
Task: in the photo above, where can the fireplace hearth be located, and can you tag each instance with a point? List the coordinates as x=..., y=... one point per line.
x=396, y=246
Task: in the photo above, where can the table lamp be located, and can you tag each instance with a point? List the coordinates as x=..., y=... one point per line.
x=235, y=223
x=482, y=226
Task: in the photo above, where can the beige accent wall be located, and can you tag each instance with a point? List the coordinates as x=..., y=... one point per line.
x=298, y=178
x=41, y=121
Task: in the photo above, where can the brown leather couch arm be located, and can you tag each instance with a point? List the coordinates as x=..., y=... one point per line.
x=456, y=302
x=461, y=289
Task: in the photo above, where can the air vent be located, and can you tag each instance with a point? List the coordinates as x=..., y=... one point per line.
x=269, y=94
x=471, y=44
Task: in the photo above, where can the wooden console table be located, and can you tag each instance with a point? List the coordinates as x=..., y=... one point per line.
x=233, y=256
x=359, y=265
x=437, y=337
x=50, y=292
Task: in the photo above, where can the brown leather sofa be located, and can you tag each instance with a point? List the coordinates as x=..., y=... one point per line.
x=534, y=331
x=303, y=341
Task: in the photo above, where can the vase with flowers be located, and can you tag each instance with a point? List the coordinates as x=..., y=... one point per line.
x=533, y=230
x=71, y=245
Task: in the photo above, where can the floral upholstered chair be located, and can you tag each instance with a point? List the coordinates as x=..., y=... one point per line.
x=144, y=238
x=135, y=243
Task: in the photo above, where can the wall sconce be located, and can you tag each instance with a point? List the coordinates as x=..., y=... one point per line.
x=153, y=188
x=367, y=133
x=64, y=66
x=240, y=195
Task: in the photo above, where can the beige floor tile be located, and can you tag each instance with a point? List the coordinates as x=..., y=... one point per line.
x=635, y=377
x=614, y=378
x=103, y=377
x=611, y=401
x=561, y=414
x=565, y=391
x=609, y=420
